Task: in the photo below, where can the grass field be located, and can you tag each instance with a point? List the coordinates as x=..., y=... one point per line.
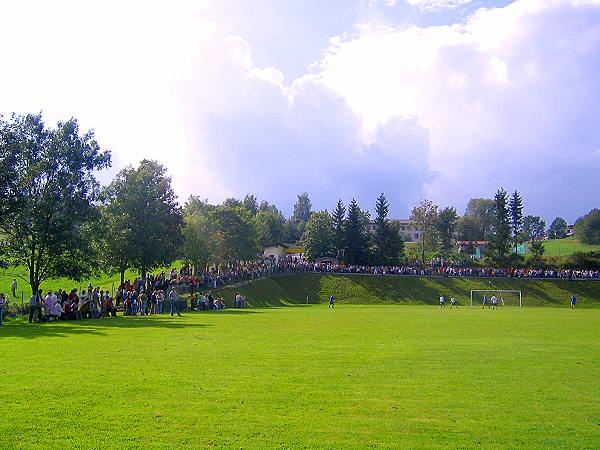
x=567, y=246
x=359, y=376
x=372, y=289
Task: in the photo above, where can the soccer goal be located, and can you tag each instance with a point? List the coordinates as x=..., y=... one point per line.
x=505, y=297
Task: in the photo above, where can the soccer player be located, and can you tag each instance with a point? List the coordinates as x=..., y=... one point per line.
x=442, y=301
x=485, y=302
x=331, y=300
x=494, y=302
x=453, y=303
x=573, y=301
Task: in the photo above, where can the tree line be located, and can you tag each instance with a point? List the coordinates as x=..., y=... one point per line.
x=58, y=221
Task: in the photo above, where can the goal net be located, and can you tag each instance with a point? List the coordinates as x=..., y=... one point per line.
x=505, y=297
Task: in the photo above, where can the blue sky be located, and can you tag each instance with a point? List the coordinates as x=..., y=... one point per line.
x=439, y=99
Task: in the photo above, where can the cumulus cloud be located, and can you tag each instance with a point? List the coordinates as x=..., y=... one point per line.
x=437, y=5
x=509, y=98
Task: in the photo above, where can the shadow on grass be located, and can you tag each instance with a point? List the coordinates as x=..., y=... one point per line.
x=20, y=327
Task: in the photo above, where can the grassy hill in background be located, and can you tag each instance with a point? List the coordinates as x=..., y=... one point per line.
x=372, y=289
x=567, y=246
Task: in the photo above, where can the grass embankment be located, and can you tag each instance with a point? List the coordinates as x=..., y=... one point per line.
x=371, y=289
x=306, y=377
x=567, y=246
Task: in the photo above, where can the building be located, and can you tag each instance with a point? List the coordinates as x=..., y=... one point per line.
x=279, y=251
x=407, y=230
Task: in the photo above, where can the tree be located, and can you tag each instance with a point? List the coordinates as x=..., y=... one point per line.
x=424, y=217
x=516, y=218
x=251, y=204
x=235, y=234
x=302, y=208
x=269, y=227
x=482, y=210
x=144, y=218
x=389, y=245
x=319, y=237
x=194, y=205
x=293, y=231
x=198, y=246
x=48, y=197
x=533, y=230
x=467, y=229
x=446, y=228
x=587, y=229
x=356, y=235
x=338, y=218
x=500, y=241
x=558, y=229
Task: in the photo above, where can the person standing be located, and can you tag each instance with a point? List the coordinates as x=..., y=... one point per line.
x=174, y=301
x=485, y=302
x=494, y=302
x=573, y=301
x=3, y=303
x=34, y=305
x=442, y=302
x=13, y=287
x=331, y=301
x=453, y=303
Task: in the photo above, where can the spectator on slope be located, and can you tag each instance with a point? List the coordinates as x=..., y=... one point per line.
x=13, y=287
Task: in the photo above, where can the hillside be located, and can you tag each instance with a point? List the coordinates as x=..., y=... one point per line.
x=366, y=289
x=567, y=246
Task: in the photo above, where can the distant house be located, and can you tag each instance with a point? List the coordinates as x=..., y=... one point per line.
x=279, y=251
x=570, y=230
x=474, y=248
x=408, y=231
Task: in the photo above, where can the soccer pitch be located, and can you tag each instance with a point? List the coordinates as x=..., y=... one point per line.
x=306, y=377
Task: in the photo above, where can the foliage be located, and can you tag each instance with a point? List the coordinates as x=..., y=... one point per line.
x=515, y=207
x=534, y=229
x=235, y=234
x=446, y=228
x=338, y=217
x=198, y=246
x=293, y=231
x=143, y=217
x=48, y=193
x=482, y=211
x=389, y=245
x=424, y=218
x=500, y=241
x=319, y=237
x=357, y=238
x=467, y=229
x=251, y=204
x=302, y=208
x=195, y=205
x=587, y=229
x=558, y=229
x=269, y=227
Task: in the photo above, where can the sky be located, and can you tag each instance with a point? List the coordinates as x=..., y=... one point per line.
x=440, y=99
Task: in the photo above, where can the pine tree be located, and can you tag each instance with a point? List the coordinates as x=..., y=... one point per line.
x=302, y=208
x=500, y=241
x=356, y=235
x=338, y=218
x=516, y=218
x=389, y=245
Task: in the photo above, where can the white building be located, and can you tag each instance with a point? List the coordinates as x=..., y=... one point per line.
x=407, y=230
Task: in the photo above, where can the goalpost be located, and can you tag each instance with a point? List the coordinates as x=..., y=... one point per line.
x=498, y=291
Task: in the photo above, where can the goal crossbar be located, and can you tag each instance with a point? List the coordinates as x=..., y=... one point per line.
x=499, y=291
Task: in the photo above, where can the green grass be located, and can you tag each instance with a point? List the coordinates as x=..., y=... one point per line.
x=358, y=376
x=373, y=289
x=567, y=246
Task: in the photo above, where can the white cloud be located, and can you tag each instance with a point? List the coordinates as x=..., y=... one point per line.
x=437, y=5
x=508, y=98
